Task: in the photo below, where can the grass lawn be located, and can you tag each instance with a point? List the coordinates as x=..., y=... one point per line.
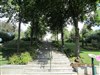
x=84, y=53
x=86, y=59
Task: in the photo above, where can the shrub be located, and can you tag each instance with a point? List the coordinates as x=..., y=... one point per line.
x=68, y=52
x=33, y=53
x=25, y=58
x=14, y=59
x=56, y=43
x=8, y=52
x=9, y=48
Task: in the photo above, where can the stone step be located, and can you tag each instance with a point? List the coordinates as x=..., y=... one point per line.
x=43, y=64
x=52, y=61
x=53, y=66
x=52, y=73
x=47, y=70
x=16, y=71
x=53, y=57
x=12, y=66
x=32, y=70
x=34, y=66
x=58, y=57
x=47, y=67
x=40, y=74
x=12, y=71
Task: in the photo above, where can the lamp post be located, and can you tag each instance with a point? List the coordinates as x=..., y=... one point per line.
x=92, y=56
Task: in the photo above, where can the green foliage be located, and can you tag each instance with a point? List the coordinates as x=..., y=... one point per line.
x=14, y=59
x=13, y=44
x=71, y=35
x=69, y=49
x=9, y=48
x=54, y=13
x=26, y=53
x=98, y=15
x=83, y=53
x=33, y=52
x=68, y=52
x=56, y=43
x=25, y=58
x=66, y=34
x=7, y=27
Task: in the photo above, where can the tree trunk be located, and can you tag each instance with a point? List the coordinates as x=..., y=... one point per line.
x=77, y=49
x=31, y=36
x=82, y=41
x=62, y=36
x=19, y=30
x=57, y=34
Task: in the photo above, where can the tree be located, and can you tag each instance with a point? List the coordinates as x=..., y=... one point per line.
x=76, y=10
x=7, y=27
x=97, y=14
x=12, y=8
x=31, y=14
x=57, y=17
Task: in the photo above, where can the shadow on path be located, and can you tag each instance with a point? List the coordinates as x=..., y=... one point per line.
x=45, y=53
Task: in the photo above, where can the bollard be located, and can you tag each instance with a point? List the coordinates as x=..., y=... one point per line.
x=93, y=68
x=92, y=56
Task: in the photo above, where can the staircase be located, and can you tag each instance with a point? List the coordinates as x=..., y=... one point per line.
x=57, y=65
x=48, y=62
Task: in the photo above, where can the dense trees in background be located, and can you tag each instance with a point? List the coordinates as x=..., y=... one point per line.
x=91, y=37
x=50, y=15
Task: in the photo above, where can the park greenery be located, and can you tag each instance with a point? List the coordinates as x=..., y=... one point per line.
x=48, y=16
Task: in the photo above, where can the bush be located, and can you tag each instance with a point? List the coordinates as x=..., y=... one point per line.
x=23, y=58
x=14, y=59
x=7, y=52
x=33, y=53
x=56, y=43
x=9, y=48
x=13, y=44
x=68, y=52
